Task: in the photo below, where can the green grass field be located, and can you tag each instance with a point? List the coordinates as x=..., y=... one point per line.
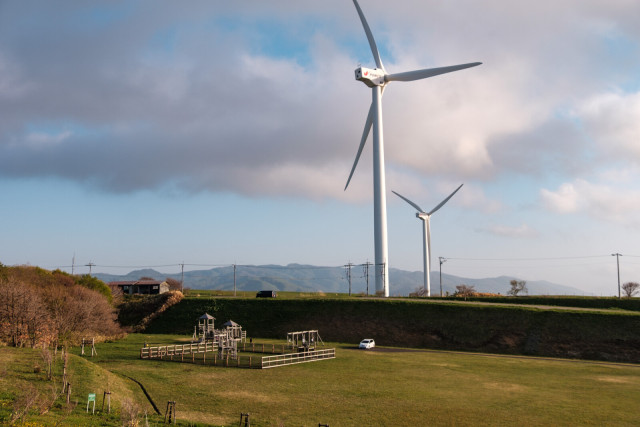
x=387, y=386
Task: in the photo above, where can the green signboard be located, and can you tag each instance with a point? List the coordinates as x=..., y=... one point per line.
x=92, y=397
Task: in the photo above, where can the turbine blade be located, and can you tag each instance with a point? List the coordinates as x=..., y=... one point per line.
x=372, y=42
x=427, y=72
x=363, y=140
x=408, y=201
x=445, y=200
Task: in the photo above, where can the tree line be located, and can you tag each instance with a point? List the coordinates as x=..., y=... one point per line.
x=53, y=308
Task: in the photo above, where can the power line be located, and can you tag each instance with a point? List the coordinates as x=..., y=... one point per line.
x=528, y=259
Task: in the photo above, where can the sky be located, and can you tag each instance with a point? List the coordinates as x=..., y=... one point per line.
x=156, y=133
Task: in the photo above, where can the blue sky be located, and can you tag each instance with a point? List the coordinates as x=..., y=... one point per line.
x=155, y=133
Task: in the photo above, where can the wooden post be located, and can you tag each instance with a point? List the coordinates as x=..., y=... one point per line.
x=106, y=394
x=68, y=392
x=249, y=361
x=245, y=418
x=171, y=411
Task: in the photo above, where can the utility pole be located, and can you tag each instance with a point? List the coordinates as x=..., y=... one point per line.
x=617, y=255
x=89, y=265
x=442, y=261
x=234, y=280
x=182, y=277
x=366, y=274
x=73, y=263
x=348, y=268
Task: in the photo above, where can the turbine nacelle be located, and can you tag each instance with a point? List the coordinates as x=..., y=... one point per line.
x=422, y=215
x=372, y=77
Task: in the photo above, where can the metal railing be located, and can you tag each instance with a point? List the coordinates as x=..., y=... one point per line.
x=158, y=352
x=294, y=358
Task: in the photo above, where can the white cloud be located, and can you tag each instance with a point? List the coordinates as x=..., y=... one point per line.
x=520, y=232
x=45, y=139
x=565, y=200
x=604, y=202
x=612, y=119
x=214, y=106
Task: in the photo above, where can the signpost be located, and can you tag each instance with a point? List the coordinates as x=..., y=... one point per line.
x=91, y=398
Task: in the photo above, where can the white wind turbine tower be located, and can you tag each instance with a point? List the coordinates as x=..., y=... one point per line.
x=377, y=79
x=426, y=229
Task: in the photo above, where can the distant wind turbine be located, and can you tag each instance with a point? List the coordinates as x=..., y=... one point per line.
x=377, y=79
x=426, y=229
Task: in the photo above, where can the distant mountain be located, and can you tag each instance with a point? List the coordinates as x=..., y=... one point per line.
x=309, y=278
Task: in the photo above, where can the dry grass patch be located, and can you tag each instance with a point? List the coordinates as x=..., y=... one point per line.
x=252, y=396
x=616, y=380
x=510, y=388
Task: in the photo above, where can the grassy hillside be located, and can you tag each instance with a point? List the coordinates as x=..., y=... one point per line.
x=612, y=335
x=632, y=304
x=24, y=387
x=387, y=387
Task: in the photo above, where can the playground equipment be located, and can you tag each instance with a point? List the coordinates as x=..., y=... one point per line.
x=304, y=340
x=205, y=328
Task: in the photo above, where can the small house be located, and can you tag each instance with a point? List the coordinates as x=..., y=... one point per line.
x=140, y=287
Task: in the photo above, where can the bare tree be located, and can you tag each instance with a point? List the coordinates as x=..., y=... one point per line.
x=47, y=359
x=174, y=285
x=129, y=412
x=518, y=287
x=419, y=292
x=465, y=291
x=21, y=313
x=630, y=289
x=42, y=308
x=23, y=403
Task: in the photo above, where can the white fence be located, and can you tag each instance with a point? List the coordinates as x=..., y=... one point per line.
x=159, y=352
x=293, y=358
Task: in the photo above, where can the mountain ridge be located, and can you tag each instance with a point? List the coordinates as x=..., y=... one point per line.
x=310, y=278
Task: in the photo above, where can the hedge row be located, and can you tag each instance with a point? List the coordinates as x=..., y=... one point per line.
x=611, y=336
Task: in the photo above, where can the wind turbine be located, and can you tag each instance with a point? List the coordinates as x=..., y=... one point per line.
x=426, y=229
x=377, y=79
